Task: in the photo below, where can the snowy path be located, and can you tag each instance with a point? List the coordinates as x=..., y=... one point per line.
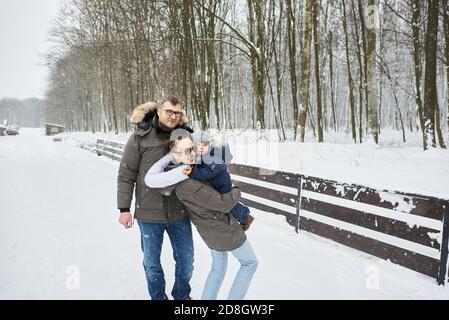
x=57, y=205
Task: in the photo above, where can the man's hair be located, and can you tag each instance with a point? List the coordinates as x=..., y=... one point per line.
x=172, y=99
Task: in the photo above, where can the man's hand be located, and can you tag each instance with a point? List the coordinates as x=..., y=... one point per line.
x=126, y=219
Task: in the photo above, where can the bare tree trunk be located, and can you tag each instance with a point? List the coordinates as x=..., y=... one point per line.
x=439, y=133
x=365, y=59
x=358, y=51
x=348, y=64
x=305, y=75
x=317, y=72
x=446, y=51
x=291, y=39
x=331, y=79
x=275, y=42
x=381, y=79
x=371, y=76
x=430, y=84
x=417, y=63
x=256, y=35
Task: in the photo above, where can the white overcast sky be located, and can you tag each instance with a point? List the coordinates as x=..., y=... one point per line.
x=24, y=33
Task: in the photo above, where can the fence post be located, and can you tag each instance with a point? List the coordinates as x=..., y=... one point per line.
x=111, y=144
x=444, y=247
x=298, y=205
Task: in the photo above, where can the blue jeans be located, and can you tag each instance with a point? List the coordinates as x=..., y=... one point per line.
x=248, y=265
x=151, y=237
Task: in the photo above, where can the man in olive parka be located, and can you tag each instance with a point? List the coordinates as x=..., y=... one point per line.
x=155, y=213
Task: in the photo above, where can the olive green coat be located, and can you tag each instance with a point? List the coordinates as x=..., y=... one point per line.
x=209, y=212
x=142, y=150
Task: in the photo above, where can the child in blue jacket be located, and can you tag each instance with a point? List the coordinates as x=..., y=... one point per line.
x=212, y=166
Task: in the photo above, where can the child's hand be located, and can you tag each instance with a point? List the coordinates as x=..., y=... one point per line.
x=187, y=171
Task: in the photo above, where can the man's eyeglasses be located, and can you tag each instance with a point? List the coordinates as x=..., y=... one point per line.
x=170, y=113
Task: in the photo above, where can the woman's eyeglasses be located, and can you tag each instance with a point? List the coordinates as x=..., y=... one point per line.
x=185, y=152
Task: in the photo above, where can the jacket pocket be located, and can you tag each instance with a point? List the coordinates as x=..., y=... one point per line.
x=151, y=199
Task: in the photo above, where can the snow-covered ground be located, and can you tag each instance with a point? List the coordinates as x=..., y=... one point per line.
x=60, y=224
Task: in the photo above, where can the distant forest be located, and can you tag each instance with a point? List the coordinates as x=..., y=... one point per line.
x=23, y=113
x=301, y=67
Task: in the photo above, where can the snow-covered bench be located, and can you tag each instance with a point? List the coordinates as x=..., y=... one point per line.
x=407, y=229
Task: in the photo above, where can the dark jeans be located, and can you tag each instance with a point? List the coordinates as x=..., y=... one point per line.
x=152, y=236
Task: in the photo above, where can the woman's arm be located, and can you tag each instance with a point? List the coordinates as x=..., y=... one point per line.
x=204, y=195
x=157, y=178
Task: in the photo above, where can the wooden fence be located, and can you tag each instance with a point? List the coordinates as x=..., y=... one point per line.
x=110, y=149
x=407, y=229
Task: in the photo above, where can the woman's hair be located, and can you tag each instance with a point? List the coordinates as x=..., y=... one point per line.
x=175, y=136
x=169, y=145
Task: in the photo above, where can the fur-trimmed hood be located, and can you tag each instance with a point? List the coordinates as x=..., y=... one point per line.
x=147, y=111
